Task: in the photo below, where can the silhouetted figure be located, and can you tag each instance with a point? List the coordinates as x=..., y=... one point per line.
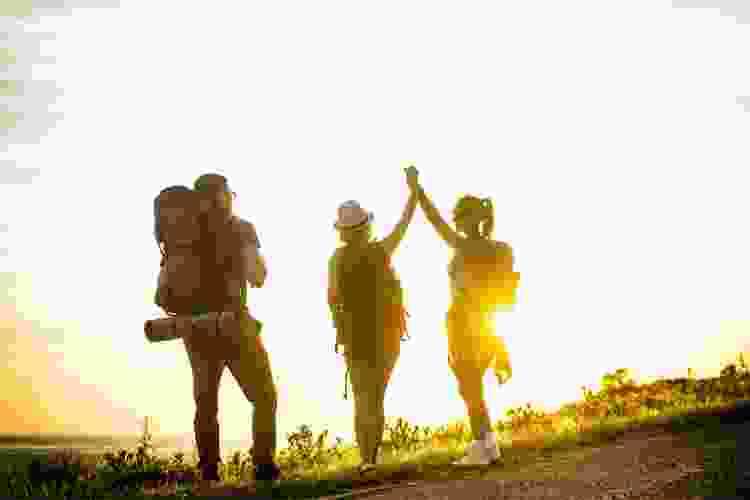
x=366, y=300
x=482, y=282
x=237, y=254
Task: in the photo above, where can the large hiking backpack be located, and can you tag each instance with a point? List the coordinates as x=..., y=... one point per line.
x=371, y=315
x=197, y=257
x=487, y=277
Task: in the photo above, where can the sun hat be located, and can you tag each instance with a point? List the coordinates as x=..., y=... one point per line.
x=351, y=215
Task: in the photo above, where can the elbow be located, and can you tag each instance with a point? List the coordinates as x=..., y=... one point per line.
x=257, y=279
x=261, y=280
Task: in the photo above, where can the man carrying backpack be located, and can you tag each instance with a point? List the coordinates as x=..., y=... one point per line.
x=229, y=258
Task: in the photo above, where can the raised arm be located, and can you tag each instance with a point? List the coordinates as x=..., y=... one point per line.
x=391, y=242
x=446, y=232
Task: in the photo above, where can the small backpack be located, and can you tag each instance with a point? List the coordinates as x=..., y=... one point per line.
x=195, y=269
x=488, y=279
x=370, y=300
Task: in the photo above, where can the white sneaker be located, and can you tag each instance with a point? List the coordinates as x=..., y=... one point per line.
x=476, y=454
x=481, y=452
x=493, y=453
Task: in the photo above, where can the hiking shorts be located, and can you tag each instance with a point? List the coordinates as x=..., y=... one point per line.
x=473, y=344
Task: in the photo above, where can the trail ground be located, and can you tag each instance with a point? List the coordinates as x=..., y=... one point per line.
x=692, y=457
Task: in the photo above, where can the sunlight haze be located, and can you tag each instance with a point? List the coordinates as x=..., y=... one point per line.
x=610, y=137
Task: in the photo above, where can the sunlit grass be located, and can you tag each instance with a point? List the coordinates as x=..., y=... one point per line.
x=314, y=459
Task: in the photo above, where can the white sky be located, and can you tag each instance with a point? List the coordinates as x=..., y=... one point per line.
x=609, y=134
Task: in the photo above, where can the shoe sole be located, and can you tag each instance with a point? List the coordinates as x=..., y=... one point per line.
x=493, y=461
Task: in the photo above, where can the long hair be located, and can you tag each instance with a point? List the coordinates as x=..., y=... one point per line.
x=481, y=207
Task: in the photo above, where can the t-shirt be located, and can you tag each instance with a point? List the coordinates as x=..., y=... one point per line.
x=461, y=277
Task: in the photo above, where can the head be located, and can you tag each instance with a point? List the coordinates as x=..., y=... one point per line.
x=474, y=217
x=354, y=224
x=216, y=187
x=360, y=234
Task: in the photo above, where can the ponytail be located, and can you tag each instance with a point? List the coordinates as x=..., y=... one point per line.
x=488, y=222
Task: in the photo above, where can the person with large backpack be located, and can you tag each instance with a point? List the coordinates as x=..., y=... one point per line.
x=482, y=283
x=208, y=257
x=366, y=300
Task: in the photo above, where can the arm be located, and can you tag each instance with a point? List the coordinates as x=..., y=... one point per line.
x=446, y=232
x=332, y=301
x=391, y=242
x=255, y=265
x=332, y=280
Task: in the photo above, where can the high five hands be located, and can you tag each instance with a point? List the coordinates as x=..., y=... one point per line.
x=412, y=177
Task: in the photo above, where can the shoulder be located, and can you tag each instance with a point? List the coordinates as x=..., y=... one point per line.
x=496, y=248
x=334, y=257
x=502, y=246
x=243, y=225
x=246, y=230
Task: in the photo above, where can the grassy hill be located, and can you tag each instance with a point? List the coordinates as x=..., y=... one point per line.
x=313, y=466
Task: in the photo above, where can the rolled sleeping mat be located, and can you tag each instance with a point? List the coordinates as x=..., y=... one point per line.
x=176, y=327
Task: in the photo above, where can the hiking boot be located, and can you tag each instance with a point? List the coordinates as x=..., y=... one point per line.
x=366, y=467
x=267, y=472
x=210, y=473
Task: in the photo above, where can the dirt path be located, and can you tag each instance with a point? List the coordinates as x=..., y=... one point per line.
x=640, y=465
x=650, y=464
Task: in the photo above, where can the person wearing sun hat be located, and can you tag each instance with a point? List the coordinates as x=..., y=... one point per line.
x=365, y=299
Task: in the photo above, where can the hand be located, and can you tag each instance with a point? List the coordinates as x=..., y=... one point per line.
x=412, y=177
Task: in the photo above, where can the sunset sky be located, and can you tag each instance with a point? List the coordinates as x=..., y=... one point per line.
x=613, y=138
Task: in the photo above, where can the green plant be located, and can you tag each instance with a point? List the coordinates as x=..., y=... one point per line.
x=589, y=395
x=403, y=436
x=238, y=467
x=742, y=364
x=616, y=408
x=308, y=451
x=523, y=416
x=616, y=379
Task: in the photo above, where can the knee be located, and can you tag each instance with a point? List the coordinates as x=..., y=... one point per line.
x=268, y=398
x=368, y=410
x=471, y=394
x=206, y=406
x=273, y=399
